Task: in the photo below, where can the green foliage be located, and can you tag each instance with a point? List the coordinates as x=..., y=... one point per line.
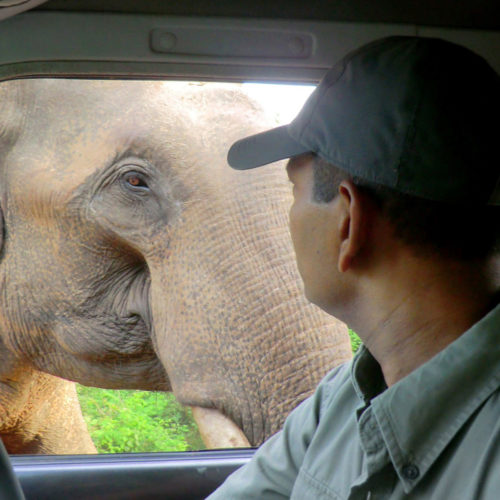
x=136, y=421
x=355, y=341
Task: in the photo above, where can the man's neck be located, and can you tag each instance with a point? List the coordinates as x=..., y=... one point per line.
x=415, y=312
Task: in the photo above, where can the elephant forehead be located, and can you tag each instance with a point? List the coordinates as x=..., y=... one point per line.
x=66, y=106
x=75, y=128
x=62, y=145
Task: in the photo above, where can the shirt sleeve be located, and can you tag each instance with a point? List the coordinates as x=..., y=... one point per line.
x=271, y=473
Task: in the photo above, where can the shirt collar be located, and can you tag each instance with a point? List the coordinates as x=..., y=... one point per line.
x=367, y=377
x=419, y=415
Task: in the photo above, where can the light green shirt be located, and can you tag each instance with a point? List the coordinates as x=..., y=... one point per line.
x=435, y=434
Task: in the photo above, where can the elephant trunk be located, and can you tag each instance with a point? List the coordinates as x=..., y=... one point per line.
x=251, y=364
x=295, y=353
x=237, y=335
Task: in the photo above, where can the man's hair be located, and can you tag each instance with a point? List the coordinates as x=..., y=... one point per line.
x=463, y=232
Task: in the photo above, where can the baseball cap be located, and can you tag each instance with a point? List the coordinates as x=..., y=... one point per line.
x=419, y=115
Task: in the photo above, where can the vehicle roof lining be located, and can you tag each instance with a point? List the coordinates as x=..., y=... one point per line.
x=475, y=14
x=213, y=48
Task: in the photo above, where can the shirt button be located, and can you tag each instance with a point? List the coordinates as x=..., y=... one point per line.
x=410, y=472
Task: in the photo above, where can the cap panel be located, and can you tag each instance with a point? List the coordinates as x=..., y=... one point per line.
x=449, y=157
x=362, y=119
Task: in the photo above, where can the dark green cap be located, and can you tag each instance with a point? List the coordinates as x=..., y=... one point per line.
x=418, y=115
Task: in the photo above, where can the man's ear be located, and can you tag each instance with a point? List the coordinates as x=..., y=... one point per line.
x=352, y=224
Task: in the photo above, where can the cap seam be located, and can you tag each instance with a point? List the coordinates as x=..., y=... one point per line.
x=409, y=140
x=320, y=98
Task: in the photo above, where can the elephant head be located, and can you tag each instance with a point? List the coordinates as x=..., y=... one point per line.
x=133, y=257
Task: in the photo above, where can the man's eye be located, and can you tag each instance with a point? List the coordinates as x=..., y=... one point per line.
x=135, y=180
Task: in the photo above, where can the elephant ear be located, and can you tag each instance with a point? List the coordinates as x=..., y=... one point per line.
x=14, y=99
x=2, y=231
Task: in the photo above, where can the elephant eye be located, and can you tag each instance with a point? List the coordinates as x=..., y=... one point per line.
x=135, y=181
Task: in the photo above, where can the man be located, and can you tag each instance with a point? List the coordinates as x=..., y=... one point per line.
x=395, y=176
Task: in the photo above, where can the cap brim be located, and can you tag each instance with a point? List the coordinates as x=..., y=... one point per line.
x=261, y=149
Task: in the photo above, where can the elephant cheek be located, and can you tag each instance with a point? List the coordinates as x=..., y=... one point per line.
x=190, y=345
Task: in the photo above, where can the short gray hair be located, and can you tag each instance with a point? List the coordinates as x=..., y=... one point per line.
x=430, y=227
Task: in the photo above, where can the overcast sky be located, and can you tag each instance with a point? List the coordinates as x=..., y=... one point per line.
x=283, y=101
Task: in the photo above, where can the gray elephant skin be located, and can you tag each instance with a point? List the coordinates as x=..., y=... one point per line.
x=133, y=257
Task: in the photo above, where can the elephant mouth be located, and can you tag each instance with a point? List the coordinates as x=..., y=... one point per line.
x=112, y=351
x=217, y=430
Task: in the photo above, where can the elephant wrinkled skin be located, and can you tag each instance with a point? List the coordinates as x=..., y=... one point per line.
x=133, y=257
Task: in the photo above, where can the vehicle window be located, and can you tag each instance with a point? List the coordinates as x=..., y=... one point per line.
x=142, y=267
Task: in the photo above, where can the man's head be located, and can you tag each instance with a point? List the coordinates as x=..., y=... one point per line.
x=409, y=124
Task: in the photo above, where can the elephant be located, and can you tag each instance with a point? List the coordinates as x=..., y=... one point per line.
x=133, y=257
